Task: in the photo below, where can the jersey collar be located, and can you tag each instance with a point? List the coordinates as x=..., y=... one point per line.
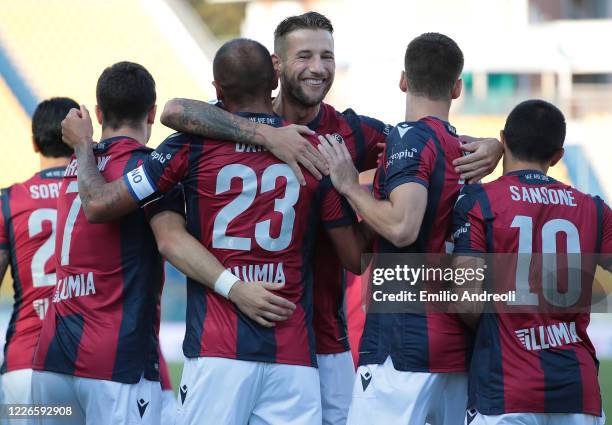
x=269, y=119
x=523, y=172
x=314, y=124
x=52, y=173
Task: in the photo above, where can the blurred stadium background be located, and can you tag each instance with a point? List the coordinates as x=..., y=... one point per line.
x=514, y=50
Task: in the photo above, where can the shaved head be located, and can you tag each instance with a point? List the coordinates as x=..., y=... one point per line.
x=243, y=69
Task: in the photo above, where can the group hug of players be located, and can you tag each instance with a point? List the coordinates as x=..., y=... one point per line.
x=261, y=215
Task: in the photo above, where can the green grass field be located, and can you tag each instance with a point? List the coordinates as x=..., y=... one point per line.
x=605, y=380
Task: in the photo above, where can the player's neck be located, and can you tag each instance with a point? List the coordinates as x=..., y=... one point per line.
x=511, y=165
x=293, y=111
x=48, y=162
x=263, y=107
x=418, y=107
x=138, y=134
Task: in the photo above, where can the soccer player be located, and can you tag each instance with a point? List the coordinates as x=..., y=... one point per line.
x=98, y=348
x=250, y=211
x=304, y=59
x=28, y=220
x=411, y=366
x=536, y=366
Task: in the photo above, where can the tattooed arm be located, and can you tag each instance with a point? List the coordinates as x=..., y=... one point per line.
x=286, y=143
x=101, y=201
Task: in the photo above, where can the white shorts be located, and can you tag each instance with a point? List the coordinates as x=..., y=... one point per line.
x=96, y=401
x=337, y=375
x=384, y=395
x=169, y=407
x=17, y=387
x=475, y=418
x=216, y=390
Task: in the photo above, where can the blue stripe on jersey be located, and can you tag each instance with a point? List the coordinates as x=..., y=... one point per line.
x=142, y=269
x=308, y=246
x=562, y=381
x=62, y=352
x=355, y=123
x=196, y=293
x=5, y=195
x=485, y=207
x=404, y=337
x=253, y=340
x=371, y=350
x=486, y=375
x=341, y=315
x=434, y=193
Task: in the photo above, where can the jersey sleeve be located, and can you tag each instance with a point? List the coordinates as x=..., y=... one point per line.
x=409, y=157
x=174, y=200
x=374, y=133
x=4, y=240
x=335, y=210
x=163, y=169
x=468, y=225
x=606, y=235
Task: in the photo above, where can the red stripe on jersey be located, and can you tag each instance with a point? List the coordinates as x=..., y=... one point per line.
x=29, y=225
x=221, y=316
x=330, y=318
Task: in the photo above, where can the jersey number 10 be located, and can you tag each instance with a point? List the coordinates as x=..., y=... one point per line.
x=549, y=277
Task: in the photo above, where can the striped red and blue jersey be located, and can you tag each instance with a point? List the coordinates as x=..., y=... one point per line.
x=361, y=135
x=103, y=321
x=248, y=209
x=28, y=218
x=540, y=360
x=419, y=152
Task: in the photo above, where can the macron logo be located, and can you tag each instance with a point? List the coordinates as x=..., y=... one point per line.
x=403, y=129
x=544, y=337
x=142, y=407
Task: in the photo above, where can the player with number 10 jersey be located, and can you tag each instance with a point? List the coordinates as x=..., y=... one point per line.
x=534, y=357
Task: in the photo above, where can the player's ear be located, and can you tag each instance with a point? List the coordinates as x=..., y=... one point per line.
x=457, y=89
x=557, y=157
x=502, y=137
x=403, y=84
x=151, y=115
x=99, y=114
x=218, y=90
x=35, y=146
x=276, y=63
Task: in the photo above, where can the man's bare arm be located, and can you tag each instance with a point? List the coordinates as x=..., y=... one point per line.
x=286, y=143
x=469, y=311
x=397, y=219
x=101, y=201
x=188, y=255
x=4, y=262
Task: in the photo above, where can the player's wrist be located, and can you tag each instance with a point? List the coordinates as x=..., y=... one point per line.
x=82, y=143
x=264, y=136
x=225, y=283
x=349, y=188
